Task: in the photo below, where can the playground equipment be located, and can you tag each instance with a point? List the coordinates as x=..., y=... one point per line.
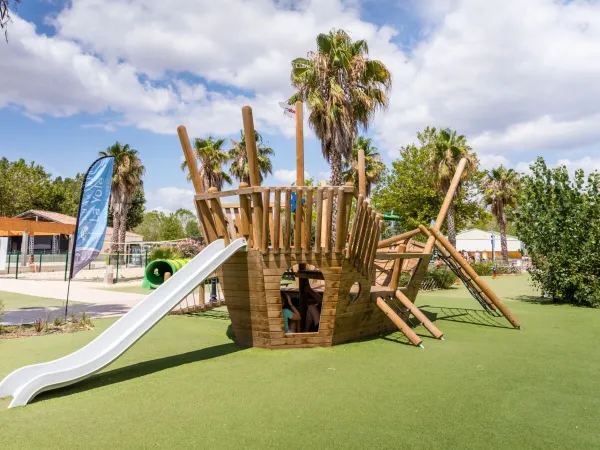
x=155, y=272
x=328, y=234
x=303, y=226
x=25, y=383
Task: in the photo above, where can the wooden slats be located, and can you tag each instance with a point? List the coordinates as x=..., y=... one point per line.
x=277, y=221
x=328, y=221
x=319, y=220
x=298, y=222
x=288, y=219
x=308, y=208
x=264, y=243
x=340, y=232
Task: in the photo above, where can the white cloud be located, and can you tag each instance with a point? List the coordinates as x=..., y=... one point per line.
x=489, y=161
x=587, y=164
x=288, y=176
x=170, y=199
x=507, y=81
x=513, y=76
x=324, y=175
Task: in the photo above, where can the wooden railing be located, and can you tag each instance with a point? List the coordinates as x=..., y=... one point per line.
x=272, y=221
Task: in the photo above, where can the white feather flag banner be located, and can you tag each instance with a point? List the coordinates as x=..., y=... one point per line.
x=288, y=110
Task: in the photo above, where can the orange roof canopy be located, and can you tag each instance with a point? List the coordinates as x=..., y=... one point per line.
x=16, y=227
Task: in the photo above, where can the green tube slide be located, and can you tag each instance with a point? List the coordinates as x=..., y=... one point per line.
x=155, y=271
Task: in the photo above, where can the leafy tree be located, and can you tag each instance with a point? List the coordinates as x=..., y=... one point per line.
x=170, y=228
x=409, y=191
x=65, y=195
x=558, y=220
x=135, y=213
x=23, y=186
x=239, y=158
x=151, y=225
x=500, y=189
x=192, y=230
x=446, y=150
x=5, y=6
x=342, y=88
x=127, y=180
x=374, y=168
x=212, y=157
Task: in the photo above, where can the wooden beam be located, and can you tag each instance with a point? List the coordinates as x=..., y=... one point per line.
x=398, y=238
x=362, y=174
x=428, y=324
x=401, y=324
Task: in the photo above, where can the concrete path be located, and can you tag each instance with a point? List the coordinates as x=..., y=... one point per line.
x=94, y=301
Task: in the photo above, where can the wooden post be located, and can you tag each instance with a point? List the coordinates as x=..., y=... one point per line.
x=402, y=326
x=326, y=213
x=308, y=219
x=428, y=324
x=340, y=232
x=253, y=169
x=299, y=144
x=298, y=221
x=319, y=221
x=219, y=216
x=204, y=215
x=277, y=221
x=397, y=267
x=288, y=218
x=447, y=201
x=362, y=174
x=355, y=226
x=264, y=244
x=474, y=277
x=328, y=219
x=400, y=237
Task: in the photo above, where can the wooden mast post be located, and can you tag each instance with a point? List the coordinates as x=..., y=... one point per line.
x=204, y=215
x=254, y=175
x=447, y=201
x=302, y=283
x=362, y=174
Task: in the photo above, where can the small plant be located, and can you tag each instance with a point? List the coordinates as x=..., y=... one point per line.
x=165, y=252
x=57, y=322
x=85, y=320
x=443, y=277
x=73, y=317
x=482, y=268
x=189, y=248
x=38, y=325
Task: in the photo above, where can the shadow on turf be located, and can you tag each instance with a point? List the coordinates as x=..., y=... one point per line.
x=142, y=369
x=534, y=299
x=463, y=315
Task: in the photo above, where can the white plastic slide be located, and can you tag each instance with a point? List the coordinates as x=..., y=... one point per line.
x=25, y=383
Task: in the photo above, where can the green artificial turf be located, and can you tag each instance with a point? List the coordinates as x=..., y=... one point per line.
x=185, y=385
x=14, y=301
x=129, y=289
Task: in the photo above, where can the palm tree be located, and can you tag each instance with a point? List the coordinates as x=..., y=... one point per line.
x=127, y=180
x=239, y=157
x=212, y=158
x=500, y=189
x=342, y=88
x=374, y=168
x=446, y=150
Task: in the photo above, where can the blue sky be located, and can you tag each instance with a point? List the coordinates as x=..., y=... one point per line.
x=518, y=78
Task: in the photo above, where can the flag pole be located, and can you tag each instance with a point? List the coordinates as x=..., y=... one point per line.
x=75, y=235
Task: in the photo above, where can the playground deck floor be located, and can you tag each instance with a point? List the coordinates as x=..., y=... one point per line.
x=186, y=385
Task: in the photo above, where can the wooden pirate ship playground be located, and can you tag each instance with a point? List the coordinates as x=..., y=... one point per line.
x=328, y=239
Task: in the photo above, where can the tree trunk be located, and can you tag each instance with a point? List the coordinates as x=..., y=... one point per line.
x=123, y=230
x=503, y=243
x=336, y=180
x=116, y=222
x=451, y=225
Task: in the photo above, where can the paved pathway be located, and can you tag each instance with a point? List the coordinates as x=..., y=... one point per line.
x=96, y=302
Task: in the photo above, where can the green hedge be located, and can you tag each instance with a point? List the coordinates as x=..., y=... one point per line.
x=482, y=268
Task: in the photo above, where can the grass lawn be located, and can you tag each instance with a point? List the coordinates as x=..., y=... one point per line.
x=129, y=289
x=14, y=301
x=185, y=385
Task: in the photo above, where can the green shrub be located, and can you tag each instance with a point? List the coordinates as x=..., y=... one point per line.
x=482, y=268
x=189, y=248
x=404, y=279
x=165, y=252
x=443, y=277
